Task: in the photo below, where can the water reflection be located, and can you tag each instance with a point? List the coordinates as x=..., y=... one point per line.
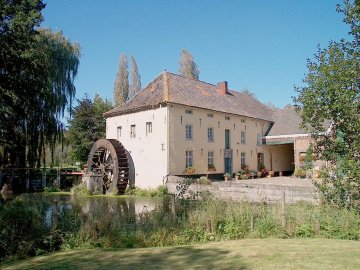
x=96, y=209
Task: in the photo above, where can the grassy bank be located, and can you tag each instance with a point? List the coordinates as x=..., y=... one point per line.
x=238, y=254
x=29, y=230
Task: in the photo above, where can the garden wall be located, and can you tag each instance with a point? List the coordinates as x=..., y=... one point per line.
x=252, y=190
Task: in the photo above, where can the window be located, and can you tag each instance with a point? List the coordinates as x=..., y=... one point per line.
x=243, y=121
x=211, y=165
x=188, y=132
x=148, y=128
x=227, y=117
x=243, y=160
x=242, y=137
x=132, y=131
x=189, y=158
x=211, y=115
x=210, y=134
x=258, y=139
x=188, y=111
x=118, y=132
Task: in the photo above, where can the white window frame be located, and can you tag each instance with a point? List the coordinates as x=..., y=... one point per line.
x=211, y=134
x=188, y=158
x=133, y=131
x=148, y=128
x=243, y=159
x=188, y=132
x=243, y=137
x=211, y=161
x=118, y=132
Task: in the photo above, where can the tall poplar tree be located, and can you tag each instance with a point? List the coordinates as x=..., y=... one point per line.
x=188, y=67
x=121, y=86
x=135, y=86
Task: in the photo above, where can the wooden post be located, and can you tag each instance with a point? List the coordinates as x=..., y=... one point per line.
x=58, y=177
x=43, y=183
x=172, y=202
x=283, y=211
x=252, y=223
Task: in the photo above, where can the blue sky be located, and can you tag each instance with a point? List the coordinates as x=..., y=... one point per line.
x=257, y=45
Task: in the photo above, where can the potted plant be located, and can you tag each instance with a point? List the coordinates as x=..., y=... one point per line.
x=244, y=177
x=189, y=170
x=211, y=168
x=253, y=174
x=227, y=176
x=237, y=176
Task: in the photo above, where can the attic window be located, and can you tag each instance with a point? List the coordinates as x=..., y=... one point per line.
x=211, y=115
x=188, y=111
x=227, y=117
x=243, y=121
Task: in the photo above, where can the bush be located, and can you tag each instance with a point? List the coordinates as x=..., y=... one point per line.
x=6, y=192
x=159, y=192
x=52, y=189
x=80, y=190
x=300, y=173
x=23, y=231
x=203, y=181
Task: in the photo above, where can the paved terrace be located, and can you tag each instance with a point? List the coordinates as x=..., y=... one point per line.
x=270, y=190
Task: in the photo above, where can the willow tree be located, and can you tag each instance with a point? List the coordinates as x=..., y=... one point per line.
x=37, y=72
x=188, y=67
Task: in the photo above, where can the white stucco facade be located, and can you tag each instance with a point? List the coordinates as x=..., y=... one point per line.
x=201, y=120
x=147, y=146
x=162, y=151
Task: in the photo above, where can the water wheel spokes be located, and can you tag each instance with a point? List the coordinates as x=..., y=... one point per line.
x=108, y=160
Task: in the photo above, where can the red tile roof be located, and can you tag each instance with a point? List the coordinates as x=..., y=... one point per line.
x=172, y=88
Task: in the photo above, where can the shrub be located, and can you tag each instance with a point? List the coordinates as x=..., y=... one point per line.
x=300, y=173
x=23, y=232
x=80, y=190
x=6, y=192
x=203, y=181
x=52, y=189
x=159, y=192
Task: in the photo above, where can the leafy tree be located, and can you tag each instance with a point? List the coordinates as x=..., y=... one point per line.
x=87, y=126
x=331, y=95
x=135, y=86
x=121, y=87
x=188, y=68
x=37, y=71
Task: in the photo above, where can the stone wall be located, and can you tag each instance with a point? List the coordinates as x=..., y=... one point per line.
x=251, y=191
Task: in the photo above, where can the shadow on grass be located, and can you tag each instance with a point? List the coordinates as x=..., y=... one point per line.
x=148, y=258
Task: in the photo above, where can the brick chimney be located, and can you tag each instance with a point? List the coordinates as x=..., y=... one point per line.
x=222, y=88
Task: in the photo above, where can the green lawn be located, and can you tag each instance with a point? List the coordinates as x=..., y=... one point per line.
x=239, y=254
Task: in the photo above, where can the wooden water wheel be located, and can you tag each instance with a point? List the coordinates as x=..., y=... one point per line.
x=108, y=160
